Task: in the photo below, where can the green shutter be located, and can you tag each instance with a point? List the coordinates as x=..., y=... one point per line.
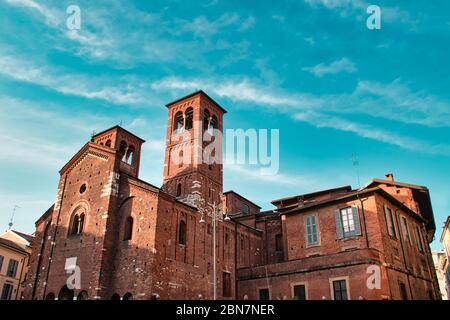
x=357, y=231
x=339, y=230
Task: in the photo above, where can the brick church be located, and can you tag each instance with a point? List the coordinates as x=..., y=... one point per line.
x=128, y=239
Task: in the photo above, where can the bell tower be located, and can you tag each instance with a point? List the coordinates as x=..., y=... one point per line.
x=193, y=157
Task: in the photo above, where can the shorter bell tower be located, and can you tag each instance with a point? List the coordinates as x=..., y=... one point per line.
x=127, y=146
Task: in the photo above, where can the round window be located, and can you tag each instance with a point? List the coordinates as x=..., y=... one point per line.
x=83, y=188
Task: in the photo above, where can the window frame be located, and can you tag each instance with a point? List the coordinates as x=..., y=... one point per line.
x=16, y=266
x=10, y=292
x=348, y=211
x=295, y=284
x=389, y=214
x=226, y=293
x=405, y=229
x=316, y=224
x=347, y=286
x=182, y=234
x=268, y=288
x=419, y=240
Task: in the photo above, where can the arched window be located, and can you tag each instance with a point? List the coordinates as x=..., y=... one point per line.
x=213, y=124
x=206, y=119
x=80, y=223
x=108, y=143
x=122, y=150
x=50, y=296
x=77, y=224
x=178, y=189
x=189, y=118
x=74, y=227
x=182, y=233
x=65, y=294
x=127, y=296
x=128, y=230
x=130, y=155
x=82, y=295
x=178, y=125
x=115, y=296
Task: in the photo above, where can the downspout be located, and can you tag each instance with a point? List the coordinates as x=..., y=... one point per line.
x=235, y=262
x=53, y=243
x=20, y=277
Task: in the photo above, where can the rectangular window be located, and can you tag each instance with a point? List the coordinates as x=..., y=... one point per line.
x=390, y=222
x=348, y=223
x=405, y=230
x=419, y=239
x=340, y=290
x=245, y=209
x=299, y=292
x=7, y=292
x=1, y=264
x=403, y=294
x=12, y=268
x=226, y=286
x=312, y=236
x=264, y=294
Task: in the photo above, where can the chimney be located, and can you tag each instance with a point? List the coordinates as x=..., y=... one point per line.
x=389, y=176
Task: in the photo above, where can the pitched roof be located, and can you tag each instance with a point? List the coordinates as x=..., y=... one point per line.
x=344, y=188
x=11, y=245
x=121, y=128
x=242, y=197
x=28, y=237
x=195, y=93
x=353, y=194
x=394, y=183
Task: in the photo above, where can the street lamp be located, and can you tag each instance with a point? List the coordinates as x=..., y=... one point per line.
x=216, y=214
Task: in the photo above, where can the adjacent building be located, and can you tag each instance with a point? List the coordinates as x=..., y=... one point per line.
x=111, y=235
x=444, y=258
x=15, y=251
x=441, y=264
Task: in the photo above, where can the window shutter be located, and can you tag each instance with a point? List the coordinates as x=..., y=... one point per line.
x=388, y=218
x=357, y=231
x=339, y=230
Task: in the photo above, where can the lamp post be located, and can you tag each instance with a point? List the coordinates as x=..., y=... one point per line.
x=215, y=215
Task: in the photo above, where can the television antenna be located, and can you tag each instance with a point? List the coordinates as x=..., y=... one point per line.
x=11, y=222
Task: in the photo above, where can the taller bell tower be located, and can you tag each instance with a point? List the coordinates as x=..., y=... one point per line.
x=193, y=157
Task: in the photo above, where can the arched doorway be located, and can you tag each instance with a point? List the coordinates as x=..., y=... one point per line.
x=82, y=295
x=115, y=296
x=65, y=294
x=50, y=296
x=128, y=296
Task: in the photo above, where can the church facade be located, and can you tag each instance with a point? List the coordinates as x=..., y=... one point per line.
x=110, y=235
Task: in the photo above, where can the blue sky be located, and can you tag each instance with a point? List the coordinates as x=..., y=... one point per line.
x=310, y=68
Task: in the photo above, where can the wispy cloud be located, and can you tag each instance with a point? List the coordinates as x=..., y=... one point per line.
x=392, y=101
x=72, y=84
x=52, y=17
x=366, y=131
x=342, y=65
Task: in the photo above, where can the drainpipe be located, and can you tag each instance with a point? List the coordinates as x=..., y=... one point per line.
x=20, y=277
x=235, y=262
x=364, y=220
